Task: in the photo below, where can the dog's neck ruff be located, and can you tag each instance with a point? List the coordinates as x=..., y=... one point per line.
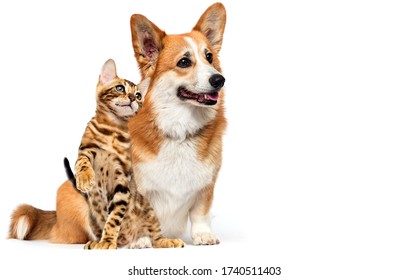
x=184, y=121
x=176, y=119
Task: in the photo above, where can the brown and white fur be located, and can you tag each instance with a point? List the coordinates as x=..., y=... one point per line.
x=176, y=138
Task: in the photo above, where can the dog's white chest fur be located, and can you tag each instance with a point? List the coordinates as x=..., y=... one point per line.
x=171, y=182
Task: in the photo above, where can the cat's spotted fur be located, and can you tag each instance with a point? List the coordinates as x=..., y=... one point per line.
x=119, y=214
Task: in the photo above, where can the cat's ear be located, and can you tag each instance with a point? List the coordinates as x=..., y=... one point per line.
x=147, y=43
x=108, y=72
x=212, y=24
x=143, y=86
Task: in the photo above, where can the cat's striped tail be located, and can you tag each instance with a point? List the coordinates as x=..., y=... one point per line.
x=30, y=223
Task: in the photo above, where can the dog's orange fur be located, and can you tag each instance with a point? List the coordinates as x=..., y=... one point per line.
x=69, y=226
x=69, y=223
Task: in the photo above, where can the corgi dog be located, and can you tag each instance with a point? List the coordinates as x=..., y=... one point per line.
x=176, y=137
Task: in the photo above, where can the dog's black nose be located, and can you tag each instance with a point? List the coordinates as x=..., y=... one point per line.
x=217, y=81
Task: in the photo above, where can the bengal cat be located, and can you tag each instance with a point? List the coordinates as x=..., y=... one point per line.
x=119, y=215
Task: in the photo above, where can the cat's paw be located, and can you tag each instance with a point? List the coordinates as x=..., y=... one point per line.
x=169, y=243
x=141, y=243
x=90, y=245
x=95, y=245
x=205, y=238
x=85, y=180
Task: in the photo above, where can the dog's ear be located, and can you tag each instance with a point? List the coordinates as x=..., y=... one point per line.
x=147, y=43
x=212, y=24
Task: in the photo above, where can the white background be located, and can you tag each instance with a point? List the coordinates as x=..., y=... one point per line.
x=316, y=155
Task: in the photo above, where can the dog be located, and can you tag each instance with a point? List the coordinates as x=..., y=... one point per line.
x=176, y=138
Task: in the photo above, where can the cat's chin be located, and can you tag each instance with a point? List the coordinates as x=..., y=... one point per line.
x=126, y=110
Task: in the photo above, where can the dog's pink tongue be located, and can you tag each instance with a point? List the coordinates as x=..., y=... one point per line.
x=213, y=96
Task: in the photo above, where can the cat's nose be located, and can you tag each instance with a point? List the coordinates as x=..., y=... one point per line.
x=132, y=98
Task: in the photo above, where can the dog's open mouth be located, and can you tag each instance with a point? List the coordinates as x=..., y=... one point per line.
x=208, y=98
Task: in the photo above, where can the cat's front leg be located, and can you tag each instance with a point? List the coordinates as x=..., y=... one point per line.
x=116, y=212
x=85, y=176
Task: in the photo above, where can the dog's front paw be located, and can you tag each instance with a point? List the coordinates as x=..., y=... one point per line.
x=85, y=181
x=205, y=238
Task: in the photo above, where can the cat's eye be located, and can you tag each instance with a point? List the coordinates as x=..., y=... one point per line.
x=120, y=88
x=209, y=57
x=184, y=63
x=138, y=95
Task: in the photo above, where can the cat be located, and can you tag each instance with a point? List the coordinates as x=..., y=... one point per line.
x=119, y=215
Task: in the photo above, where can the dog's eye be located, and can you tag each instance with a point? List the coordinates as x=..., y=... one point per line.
x=138, y=95
x=184, y=63
x=209, y=57
x=120, y=88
